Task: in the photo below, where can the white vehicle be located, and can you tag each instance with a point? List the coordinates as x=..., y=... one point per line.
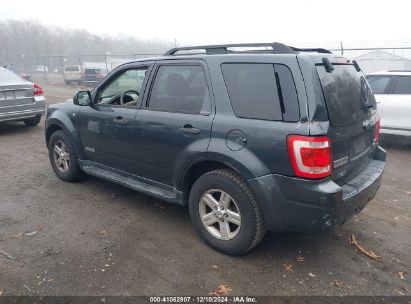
x=72, y=73
x=392, y=90
x=41, y=69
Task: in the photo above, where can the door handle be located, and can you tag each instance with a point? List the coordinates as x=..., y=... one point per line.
x=120, y=120
x=189, y=129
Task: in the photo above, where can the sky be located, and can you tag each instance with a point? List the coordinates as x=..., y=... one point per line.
x=211, y=22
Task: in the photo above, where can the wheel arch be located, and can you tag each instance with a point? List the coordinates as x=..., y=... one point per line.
x=62, y=122
x=202, y=166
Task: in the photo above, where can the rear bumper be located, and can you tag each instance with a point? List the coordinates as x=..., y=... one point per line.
x=91, y=82
x=21, y=112
x=296, y=204
x=72, y=78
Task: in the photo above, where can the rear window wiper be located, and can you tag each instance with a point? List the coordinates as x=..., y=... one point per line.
x=356, y=65
x=328, y=65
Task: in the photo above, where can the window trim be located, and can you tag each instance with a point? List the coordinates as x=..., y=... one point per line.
x=145, y=104
x=275, y=83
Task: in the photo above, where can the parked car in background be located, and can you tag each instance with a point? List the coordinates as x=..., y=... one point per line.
x=272, y=137
x=59, y=70
x=392, y=89
x=72, y=73
x=93, y=75
x=20, y=100
x=41, y=69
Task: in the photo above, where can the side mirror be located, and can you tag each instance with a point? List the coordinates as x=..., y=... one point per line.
x=82, y=98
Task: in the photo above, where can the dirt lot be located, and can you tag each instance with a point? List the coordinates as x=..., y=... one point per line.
x=98, y=238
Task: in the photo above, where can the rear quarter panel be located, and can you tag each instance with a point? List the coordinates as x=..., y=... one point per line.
x=264, y=144
x=395, y=111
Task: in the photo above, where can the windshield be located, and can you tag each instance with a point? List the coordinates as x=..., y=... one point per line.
x=347, y=94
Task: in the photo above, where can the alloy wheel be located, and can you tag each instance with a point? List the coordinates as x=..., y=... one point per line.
x=61, y=156
x=220, y=214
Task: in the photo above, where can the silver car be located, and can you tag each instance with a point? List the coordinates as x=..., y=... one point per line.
x=392, y=90
x=20, y=100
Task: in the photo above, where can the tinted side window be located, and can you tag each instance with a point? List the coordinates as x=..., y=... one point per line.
x=403, y=85
x=288, y=93
x=378, y=84
x=262, y=91
x=180, y=88
x=252, y=90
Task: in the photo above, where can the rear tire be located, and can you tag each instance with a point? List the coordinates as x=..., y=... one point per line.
x=63, y=158
x=32, y=122
x=238, y=226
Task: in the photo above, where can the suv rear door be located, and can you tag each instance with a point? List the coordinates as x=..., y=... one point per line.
x=396, y=111
x=174, y=125
x=351, y=108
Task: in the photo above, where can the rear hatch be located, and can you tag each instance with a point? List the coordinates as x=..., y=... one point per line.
x=14, y=91
x=351, y=110
x=72, y=71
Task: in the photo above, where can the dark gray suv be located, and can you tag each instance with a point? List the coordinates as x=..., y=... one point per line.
x=251, y=137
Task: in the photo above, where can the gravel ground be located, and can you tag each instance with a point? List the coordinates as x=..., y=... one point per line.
x=98, y=238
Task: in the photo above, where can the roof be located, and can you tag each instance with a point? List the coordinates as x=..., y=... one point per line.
x=392, y=72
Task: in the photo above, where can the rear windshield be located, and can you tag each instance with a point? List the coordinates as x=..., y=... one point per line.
x=92, y=71
x=347, y=94
x=72, y=68
x=7, y=76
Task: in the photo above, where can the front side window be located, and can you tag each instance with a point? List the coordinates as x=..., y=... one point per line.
x=378, y=84
x=124, y=89
x=180, y=88
x=403, y=85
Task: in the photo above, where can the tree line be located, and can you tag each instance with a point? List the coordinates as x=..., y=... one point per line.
x=30, y=38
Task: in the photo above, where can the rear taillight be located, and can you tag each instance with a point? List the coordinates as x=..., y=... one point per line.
x=310, y=156
x=377, y=130
x=37, y=90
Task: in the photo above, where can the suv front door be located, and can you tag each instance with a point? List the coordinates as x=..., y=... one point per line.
x=174, y=125
x=107, y=126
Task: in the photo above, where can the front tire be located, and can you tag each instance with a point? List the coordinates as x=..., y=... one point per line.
x=63, y=158
x=225, y=212
x=32, y=122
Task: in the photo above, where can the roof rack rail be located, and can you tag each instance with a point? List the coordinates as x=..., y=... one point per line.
x=396, y=71
x=223, y=48
x=317, y=50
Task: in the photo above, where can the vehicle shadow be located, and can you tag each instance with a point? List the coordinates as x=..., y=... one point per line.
x=274, y=244
x=395, y=142
x=9, y=128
